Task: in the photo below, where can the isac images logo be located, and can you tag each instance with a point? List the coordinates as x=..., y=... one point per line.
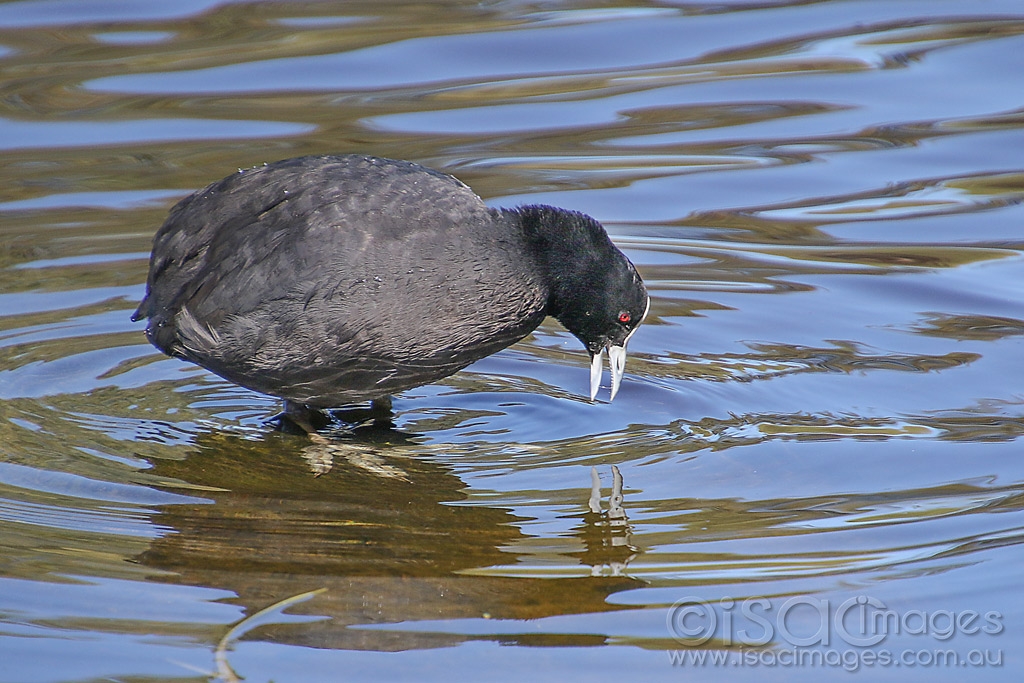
x=803, y=631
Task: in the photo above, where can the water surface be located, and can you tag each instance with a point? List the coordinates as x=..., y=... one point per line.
x=825, y=201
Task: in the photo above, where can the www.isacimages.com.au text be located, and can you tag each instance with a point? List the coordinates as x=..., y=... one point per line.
x=849, y=660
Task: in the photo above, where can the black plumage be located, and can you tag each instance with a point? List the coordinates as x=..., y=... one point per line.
x=331, y=280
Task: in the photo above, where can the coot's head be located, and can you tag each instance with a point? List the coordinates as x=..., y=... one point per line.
x=596, y=292
x=605, y=315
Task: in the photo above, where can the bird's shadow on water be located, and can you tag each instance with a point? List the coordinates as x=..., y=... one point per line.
x=387, y=530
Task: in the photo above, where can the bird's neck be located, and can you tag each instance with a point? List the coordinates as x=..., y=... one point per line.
x=568, y=248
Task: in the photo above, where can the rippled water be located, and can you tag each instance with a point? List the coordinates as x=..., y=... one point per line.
x=824, y=405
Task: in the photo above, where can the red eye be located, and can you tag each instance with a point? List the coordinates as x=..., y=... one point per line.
x=624, y=317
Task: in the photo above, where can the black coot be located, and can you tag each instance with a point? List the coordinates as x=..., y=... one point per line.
x=331, y=280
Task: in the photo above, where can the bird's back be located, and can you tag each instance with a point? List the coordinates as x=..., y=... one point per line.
x=329, y=280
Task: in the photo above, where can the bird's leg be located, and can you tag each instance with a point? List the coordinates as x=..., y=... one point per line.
x=380, y=410
x=298, y=415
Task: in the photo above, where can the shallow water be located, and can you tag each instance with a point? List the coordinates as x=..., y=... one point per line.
x=820, y=419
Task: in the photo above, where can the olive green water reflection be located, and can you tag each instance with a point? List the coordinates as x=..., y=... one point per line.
x=824, y=199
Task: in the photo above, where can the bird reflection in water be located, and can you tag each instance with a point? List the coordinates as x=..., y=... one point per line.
x=387, y=549
x=606, y=535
